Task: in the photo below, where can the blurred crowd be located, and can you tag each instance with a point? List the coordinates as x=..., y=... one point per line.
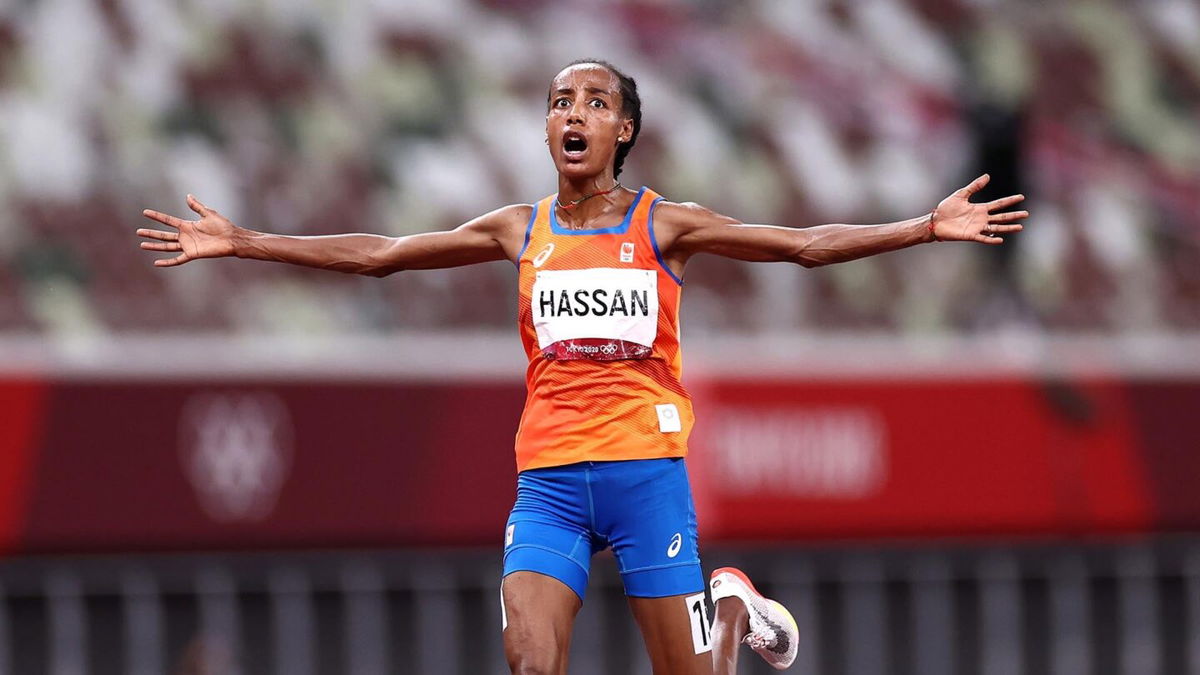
x=402, y=116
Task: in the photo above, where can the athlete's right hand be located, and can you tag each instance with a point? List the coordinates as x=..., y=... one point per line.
x=213, y=236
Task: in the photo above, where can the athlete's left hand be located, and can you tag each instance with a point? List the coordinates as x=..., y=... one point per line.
x=957, y=219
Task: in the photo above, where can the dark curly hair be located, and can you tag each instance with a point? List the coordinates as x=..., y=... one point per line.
x=631, y=106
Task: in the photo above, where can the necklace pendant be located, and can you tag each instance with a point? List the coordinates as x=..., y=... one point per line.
x=577, y=202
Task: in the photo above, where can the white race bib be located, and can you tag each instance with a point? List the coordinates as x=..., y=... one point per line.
x=602, y=313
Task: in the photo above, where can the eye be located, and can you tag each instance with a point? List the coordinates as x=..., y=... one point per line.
x=561, y=102
x=596, y=103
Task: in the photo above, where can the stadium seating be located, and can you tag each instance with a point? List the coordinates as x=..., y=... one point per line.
x=306, y=117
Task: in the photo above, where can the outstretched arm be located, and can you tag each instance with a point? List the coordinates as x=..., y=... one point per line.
x=692, y=229
x=494, y=236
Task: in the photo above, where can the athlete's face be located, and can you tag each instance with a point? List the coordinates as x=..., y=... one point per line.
x=584, y=124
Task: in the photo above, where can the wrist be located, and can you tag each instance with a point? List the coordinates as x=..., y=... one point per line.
x=931, y=228
x=239, y=242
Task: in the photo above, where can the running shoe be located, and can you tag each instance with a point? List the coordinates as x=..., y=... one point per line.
x=773, y=632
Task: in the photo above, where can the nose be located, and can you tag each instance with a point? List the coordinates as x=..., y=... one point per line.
x=575, y=116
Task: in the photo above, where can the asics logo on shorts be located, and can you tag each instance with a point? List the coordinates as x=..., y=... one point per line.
x=676, y=544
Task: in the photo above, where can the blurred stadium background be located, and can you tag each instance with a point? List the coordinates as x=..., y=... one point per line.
x=953, y=459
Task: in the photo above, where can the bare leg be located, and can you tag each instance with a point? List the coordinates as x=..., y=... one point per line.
x=540, y=611
x=666, y=625
x=730, y=624
x=667, y=631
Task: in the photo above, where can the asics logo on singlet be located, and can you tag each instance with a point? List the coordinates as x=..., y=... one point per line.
x=676, y=544
x=541, y=257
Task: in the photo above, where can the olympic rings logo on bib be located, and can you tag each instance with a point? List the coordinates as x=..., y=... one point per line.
x=588, y=348
x=601, y=314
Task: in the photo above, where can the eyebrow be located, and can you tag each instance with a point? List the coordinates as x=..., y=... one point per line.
x=590, y=90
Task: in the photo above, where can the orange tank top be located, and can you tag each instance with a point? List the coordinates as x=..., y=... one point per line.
x=598, y=312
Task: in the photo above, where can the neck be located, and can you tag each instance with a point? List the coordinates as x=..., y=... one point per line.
x=572, y=189
x=595, y=196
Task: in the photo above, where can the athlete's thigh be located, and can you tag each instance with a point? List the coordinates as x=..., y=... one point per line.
x=547, y=549
x=539, y=612
x=675, y=630
x=647, y=513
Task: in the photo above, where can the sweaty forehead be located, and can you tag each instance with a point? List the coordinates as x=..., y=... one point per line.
x=586, y=76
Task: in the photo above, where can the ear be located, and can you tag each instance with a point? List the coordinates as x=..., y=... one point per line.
x=626, y=131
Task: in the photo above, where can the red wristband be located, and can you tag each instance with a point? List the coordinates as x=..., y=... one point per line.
x=930, y=228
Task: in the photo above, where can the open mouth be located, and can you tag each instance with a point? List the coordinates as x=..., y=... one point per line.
x=574, y=143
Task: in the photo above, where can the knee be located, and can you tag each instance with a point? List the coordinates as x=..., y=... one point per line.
x=532, y=652
x=539, y=669
x=533, y=664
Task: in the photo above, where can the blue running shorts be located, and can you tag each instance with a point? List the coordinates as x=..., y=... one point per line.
x=642, y=508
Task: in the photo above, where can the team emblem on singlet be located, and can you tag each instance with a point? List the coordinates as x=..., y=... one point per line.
x=602, y=314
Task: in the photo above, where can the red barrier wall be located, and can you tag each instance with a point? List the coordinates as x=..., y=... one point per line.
x=864, y=459
x=185, y=466
x=139, y=465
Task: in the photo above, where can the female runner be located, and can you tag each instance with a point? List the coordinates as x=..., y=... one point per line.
x=602, y=438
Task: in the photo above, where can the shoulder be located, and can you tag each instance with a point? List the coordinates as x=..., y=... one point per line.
x=679, y=227
x=513, y=214
x=683, y=217
x=504, y=220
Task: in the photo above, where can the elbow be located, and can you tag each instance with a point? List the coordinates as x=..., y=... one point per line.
x=803, y=258
x=380, y=261
x=378, y=271
x=358, y=268
x=378, y=266
x=801, y=254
